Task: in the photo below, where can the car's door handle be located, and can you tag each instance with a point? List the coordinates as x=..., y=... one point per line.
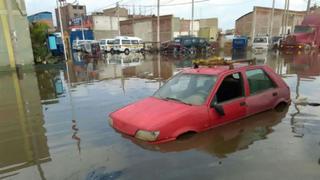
x=275, y=94
x=243, y=104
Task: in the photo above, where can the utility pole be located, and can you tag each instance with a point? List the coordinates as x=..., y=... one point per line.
x=119, y=33
x=308, y=6
x=83, y=36
x=192, y=17
x=158, y=25
x=272, y=18
x=283, y=19
x=133, y=14
x=287, y=16
x=9, y=32
x=62, y=33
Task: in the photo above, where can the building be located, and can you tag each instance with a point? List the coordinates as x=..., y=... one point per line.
x=15, y=42
x=106, y=24
x=258, y=21
x=69, y=12
x=42, y=17
x=145, y=27
x=122, y=12
x=208, y=29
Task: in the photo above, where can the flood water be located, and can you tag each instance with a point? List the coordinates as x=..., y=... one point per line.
x=54, y=124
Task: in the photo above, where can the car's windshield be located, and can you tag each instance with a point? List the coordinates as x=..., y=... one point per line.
x=260, y=40
x=187, y=88
x=303, y=29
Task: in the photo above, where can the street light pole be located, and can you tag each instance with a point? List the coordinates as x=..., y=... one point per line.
x=284, y=19
x=272, y=18
x=118, y=16
x=308, y=6
x=287, y=16
x=192, y=17
x=62, y=33
x=158, y=24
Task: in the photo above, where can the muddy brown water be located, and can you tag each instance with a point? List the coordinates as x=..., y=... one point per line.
x=53, y=124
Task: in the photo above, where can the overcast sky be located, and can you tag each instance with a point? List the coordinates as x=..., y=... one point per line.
x=226, y=10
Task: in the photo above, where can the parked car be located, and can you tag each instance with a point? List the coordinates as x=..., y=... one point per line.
x=127, y=44
x=79, y=44
x=91, y=47
x=185, y=43
x=276, y=42
x=197, y=99
x=106, y=44
x=261, y=43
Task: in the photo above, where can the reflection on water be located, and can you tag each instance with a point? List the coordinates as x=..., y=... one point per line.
x=225, y=139
x=49, y=124
x=22, y=136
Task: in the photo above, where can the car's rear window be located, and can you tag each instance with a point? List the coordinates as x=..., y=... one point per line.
x=259, y=81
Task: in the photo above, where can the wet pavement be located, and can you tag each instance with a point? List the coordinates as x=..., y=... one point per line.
x=54, y=124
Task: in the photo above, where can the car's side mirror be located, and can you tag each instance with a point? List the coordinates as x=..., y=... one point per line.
x=218, y=108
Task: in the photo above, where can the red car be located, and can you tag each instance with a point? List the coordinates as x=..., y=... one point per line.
x=197, y=99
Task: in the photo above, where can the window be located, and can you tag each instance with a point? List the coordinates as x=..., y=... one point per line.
x=125, y=41
x=134, y=41
x=260, y=40
x=102, y=42
x=188, y=88
x=110, y=42
x=230, y=88
x=259, y=81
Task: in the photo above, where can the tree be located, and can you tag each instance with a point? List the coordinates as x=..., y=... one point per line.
x=39, y=33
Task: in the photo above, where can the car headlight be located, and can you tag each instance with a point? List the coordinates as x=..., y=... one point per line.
x=147, y=135
x=111, y=122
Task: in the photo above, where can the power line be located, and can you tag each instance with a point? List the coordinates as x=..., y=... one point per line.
x=166, y=5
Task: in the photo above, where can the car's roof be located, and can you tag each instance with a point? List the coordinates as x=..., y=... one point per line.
x=216, y=70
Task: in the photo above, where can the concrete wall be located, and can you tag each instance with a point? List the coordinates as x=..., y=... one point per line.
x=143, y=30
x=258, y=22
x=210, y=22
x=209, y=33
x=20, y=36
x=105, y=26
x=106, y=22
x=244, y=25
x=123, y=12
x=101, y=34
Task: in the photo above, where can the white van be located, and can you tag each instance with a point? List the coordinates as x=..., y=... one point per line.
x=127, y=44
x=78, y=44
x=261, y=43
x=106, y=44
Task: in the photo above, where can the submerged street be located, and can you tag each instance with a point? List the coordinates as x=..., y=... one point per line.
x=54, y=124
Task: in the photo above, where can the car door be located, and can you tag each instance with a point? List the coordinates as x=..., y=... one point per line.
x=263, y=91
x=230, y=99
